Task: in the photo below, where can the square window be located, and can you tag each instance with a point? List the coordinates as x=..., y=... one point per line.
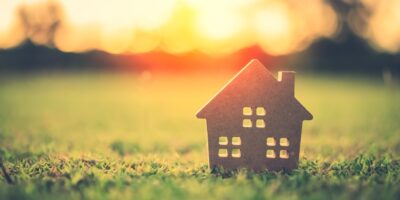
x=260, y=111
x=236, y=141
x=223, y=140
x=223, y=153
x=247, y=123
x=283, y=154
x=236, y=153
x=270, y=153
x=284, y=142
x=260, y=123
x=247, y=111
x=270, y=141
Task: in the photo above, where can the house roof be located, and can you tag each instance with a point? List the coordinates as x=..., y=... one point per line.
x=253, y=73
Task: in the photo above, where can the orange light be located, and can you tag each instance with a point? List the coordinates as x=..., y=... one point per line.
x=216, y=27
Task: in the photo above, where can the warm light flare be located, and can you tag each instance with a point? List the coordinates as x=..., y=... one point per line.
x=273, y=29
x=219, y=25
x=178, y=26
x=148, y=14
x=382, y=24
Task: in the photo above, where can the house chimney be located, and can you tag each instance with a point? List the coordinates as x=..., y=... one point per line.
x=287, y=81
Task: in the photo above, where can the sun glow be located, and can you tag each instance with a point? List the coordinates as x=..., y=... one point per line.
x=176, y=26
x=273, y=29
x=219, y=25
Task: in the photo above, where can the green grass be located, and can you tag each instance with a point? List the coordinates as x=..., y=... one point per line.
x=98, y=136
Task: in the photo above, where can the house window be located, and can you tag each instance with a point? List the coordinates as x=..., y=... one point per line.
x=283, y=154
x=270, y=141
x=236, y=153
x=270, y=153
x=260, y=123
x=223, y=140
x=223, y=153
x=247, y=123
x=247, y=111
x=260, y=111
x=253, y=117
x=281, y=147
x=233, y=147
x=236, y=141
x=284, y=142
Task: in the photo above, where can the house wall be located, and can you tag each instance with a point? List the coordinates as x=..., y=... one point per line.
x=253, y=140
x=254, y=87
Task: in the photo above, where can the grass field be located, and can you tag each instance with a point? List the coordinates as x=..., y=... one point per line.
x=101, y=136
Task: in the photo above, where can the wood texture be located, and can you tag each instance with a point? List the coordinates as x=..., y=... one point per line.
x=263, y=114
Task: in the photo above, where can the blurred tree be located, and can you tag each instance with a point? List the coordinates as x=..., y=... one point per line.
x=40, y=21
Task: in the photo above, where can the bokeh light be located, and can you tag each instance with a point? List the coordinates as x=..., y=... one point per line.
x=381, y=25
x=179, y=26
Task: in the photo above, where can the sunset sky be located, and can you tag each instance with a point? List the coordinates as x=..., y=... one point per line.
x=179, y=26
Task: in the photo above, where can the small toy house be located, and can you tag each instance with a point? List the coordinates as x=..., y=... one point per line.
x=255, y=121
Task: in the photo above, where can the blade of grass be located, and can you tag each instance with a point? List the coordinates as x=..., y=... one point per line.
x=6, y=176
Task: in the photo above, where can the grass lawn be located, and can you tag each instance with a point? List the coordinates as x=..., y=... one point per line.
x=100, y=136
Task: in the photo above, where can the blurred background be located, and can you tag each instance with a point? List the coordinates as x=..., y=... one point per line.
x=349, y=36
x=128, y=76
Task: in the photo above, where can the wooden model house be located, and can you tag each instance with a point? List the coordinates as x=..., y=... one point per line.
x=255, y=121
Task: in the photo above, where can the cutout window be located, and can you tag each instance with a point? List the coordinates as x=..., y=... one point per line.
x=236, y=153
x=247, y=123
x=283, y=154
x=260, y=111
x=284, y=142
x=247, y=111
x=223, y=140
x=270, y=141
x=260, y=123
x=223, y=153
x=270, y=153
x=236, y=141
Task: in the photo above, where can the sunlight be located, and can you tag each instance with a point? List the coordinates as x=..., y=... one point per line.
x=273, y=27
x=149, y=14
x=10, y=32
x=177, y=35
x=216, y=28
x=272, y=22
x=144, y=42
x=78, y=38
x=117, y=41
x=219, y=24
x=383, y=27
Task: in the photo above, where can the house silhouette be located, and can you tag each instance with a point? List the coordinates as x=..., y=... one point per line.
x=255, y=121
